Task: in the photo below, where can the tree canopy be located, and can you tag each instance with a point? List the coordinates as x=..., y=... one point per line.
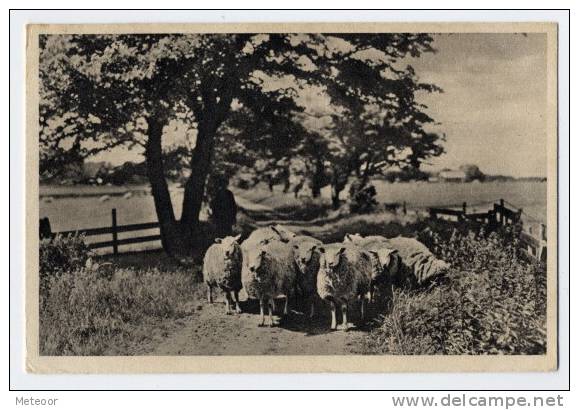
x=242, y=97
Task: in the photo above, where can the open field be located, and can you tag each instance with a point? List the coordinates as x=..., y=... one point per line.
x=81, y=208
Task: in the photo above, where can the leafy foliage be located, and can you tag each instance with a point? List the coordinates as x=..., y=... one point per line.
x=362, y=198
x=491, y=302
x=59, y=255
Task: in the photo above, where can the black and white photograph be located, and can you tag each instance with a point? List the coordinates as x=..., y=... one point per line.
x=371, y=194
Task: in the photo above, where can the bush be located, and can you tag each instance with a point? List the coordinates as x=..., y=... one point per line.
x=491, y=302
x=362, y=198
x=63, y=254
x=59, y=255
x=87, y=312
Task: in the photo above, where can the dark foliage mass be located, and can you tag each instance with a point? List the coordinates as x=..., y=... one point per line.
x=493, y=301
x=241, y=96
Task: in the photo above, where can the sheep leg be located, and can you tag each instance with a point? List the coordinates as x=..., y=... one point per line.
x=236, y=297
x=209, y=294
x=285, y=306
x=344, y=325
x=363, y=301
x=228, y=303
x=333, y=326
x=270, y=311
x=261, y=313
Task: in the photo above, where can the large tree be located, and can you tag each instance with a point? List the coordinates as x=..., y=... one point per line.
x=102, y=91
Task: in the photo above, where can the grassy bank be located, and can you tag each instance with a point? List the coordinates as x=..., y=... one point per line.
x=491, y=302
x=107, y=309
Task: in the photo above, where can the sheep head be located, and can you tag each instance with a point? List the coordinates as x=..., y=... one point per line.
x=257, y=261
x=331, y=257
x=389, y=260
x=305, y=255
x=230, y=245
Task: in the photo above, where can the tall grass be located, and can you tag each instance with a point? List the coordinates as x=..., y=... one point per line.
x=88, y=313
x=87, y=309
x=491, y=302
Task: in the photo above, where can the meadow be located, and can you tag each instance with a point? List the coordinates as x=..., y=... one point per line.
x=79, y=207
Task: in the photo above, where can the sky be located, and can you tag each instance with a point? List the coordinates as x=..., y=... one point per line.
x=492, y=110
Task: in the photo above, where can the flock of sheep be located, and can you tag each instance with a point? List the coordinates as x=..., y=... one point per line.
x=275, y=262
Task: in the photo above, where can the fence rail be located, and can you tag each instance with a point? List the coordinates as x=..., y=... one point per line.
x=534, y=244
x=113, y=230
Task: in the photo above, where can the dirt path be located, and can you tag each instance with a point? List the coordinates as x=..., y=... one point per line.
x=211, y=332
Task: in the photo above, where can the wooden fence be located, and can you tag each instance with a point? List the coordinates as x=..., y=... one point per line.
x=113, y=230
x=533, y=242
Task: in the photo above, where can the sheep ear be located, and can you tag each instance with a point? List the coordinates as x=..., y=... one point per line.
x=237, y=238
x=342, y=250
x=218, y=240
x=273, y=228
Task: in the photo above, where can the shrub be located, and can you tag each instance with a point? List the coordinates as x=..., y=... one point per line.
x=63, y=253
x=362, y=198
x=87, y=312
x=59, y=255
x=491, y=302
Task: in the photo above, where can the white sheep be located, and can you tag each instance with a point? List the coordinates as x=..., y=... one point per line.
x=222, y=269
x=268, y=272
x=422, y=264
x=307, y=258
x=359, y=239
x=264, y=234
x=418, y=263
x=345, y=274
x=386, y=262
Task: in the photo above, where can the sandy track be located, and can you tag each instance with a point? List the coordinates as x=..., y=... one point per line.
x=209, y=331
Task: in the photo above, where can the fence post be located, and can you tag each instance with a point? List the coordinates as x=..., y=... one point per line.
x=404, y=207
x=502, y=214
x=45, y=231
x=491, y=217
x=464, y=209
x=543, y=232
x=114, y=231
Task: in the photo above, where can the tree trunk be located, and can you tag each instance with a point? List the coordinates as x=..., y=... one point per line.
x=318, y=179
x=195, y=185
x=170, y=234
x=339, y=182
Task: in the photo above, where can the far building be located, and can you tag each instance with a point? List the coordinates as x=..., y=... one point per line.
x=452, y=176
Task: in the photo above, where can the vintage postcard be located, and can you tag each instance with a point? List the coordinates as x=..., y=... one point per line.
x=291, y=198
